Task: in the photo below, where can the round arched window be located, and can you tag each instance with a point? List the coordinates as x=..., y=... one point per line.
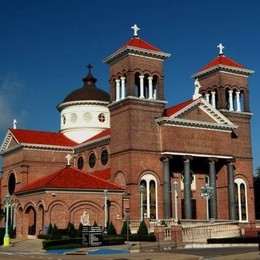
x=11, y=183
x=92, y=160
x=80, y=163
x=104, y=157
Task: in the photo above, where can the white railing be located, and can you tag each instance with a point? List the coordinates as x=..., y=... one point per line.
x=201, y=233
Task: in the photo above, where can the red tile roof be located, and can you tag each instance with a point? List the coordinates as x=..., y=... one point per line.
x=70, y=178
x=222, y=60
x=104, y=133
x=40, y=137
x=139, y=43
x=174, y=109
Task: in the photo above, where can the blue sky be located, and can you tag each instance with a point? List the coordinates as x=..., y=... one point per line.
x=45, y=46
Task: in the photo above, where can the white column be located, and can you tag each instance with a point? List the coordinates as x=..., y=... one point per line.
x=141, y=86
x=207, y=97
x=122, y=87
x=238, y=101
x=117, y=89
x=230, y=100
x=150, y=83
x=213, y=99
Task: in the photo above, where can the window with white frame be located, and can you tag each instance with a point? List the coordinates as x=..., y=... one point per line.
x=150, y=208
x=241, y=200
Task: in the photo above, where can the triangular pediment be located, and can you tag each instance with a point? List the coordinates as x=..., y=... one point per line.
x=196, y=113
x=9, y=142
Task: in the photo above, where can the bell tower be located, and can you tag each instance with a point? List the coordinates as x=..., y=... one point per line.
x=136, y=100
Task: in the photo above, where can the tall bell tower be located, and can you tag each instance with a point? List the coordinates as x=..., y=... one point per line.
x=136, y=100
x=224, y=84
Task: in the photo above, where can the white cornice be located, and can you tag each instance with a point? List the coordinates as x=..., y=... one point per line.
x=199, y=155
x=226, y=69
x=130, y=50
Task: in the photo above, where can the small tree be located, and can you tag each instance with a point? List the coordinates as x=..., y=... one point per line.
x=80, y=229
x=50, y=229
x=124, y=229
x=71, y=231
x=55, y=233
x=142, y=230
x=111, y=229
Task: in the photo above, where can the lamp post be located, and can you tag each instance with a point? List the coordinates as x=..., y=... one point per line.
x=141, y=202
x=127, y=210
x=105, y=209
x=175, y=187
x=6, y=237
x=206, y=191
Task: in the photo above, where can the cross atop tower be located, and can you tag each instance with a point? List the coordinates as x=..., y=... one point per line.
x=135, y=28
x=221, y=47
x=89, y=67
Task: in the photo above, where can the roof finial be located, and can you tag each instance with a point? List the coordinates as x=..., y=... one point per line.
x=89, y=67
x=68, y=157
x=14, y=123
x=135, y=28
x=221, y=47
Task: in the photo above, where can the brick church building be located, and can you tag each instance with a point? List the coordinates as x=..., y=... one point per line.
x=129, y=153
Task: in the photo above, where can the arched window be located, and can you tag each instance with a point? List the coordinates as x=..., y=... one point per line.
x=11, y=183
x=104, y=157
x=80, y=163
x=92, y=160
x=241, y=200
x=150, y=201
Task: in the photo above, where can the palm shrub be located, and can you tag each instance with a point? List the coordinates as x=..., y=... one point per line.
x=80, y=229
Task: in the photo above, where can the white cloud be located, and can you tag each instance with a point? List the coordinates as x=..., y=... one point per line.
x=10, y=88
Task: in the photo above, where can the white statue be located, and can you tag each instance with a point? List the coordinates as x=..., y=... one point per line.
x=197, y=86
x=84, y=219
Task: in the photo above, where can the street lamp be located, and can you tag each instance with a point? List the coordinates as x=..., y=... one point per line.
x=105, y=209
x=127, y=210
x=206, y=191
x=6, y=237
x=141, y=202
x=175, y=187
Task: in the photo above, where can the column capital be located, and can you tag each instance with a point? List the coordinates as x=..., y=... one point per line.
x=212, y=159
x=230, y=161
x=187, y=158
x=165, y=157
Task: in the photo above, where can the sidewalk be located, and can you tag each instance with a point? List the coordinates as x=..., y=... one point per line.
x=147, y=250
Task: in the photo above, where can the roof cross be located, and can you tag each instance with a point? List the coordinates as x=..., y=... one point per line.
x=89, y=67
x=221, y=47
x=68, y=157
x=135, y=28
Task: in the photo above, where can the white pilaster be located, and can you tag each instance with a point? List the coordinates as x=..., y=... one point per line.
x=213, y=99
x=238, y=101
x=150, y=83
x=207, y=97
x=117, y=89
x=141, y=86
x=230, y=100
x=122, y=87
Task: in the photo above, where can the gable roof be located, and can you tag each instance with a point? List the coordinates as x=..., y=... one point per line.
x=221, y=62
x=175, y=116
x=137, y=47
x=36, y=138
x=69, y=178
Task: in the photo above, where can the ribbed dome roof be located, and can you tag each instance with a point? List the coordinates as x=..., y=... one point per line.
x=89, y=91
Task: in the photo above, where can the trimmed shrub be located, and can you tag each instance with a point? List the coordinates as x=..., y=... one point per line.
x=50, y=229
x=111, y=229
x=71, y=231
x=80, y=229
x=142, y=230
x=124, y=229
x=55, y=233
